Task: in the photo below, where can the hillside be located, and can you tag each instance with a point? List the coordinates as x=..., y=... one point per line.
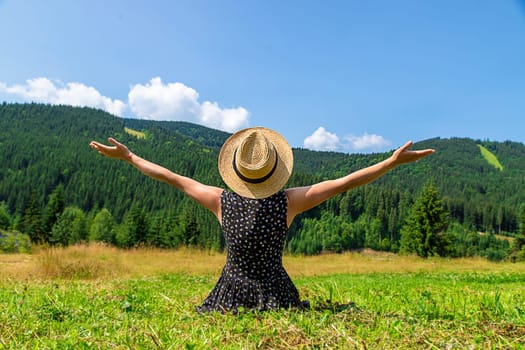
x=45, y=147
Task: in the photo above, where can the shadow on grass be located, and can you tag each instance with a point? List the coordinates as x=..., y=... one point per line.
x=319, y=306
x=331, y=306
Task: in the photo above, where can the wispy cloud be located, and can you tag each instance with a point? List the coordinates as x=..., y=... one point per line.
x=366, y=142
x=323, y=140
x=155, y=100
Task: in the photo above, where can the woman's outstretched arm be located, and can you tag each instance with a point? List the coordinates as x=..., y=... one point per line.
x=207, y=196
x=303, y=198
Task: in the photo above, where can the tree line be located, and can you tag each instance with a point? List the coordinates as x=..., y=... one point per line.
x=54, y=189
x=426, y=231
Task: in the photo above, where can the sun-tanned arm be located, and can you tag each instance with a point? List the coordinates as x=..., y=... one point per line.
x=301, y=199
x=207, y=196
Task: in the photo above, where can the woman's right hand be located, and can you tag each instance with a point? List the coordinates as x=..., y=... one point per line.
x=117, y=151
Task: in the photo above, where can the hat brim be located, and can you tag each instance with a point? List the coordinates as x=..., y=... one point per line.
x=270, y=186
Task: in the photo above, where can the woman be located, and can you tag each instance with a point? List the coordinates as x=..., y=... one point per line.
x=256, y=163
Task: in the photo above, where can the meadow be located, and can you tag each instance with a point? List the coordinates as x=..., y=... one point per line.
x=99, y=297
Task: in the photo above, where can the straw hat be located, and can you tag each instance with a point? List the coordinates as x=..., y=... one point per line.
x=256, y=162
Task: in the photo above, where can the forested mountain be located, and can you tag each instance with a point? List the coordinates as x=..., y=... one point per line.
x=47, y=171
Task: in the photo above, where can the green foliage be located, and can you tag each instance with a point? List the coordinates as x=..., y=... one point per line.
x=70, y=228
x=14, y=242
x=423, y=232
x=463, y=242
x=521, y=254
x=518, y=248
x=5, y=218
x=165, y=231
x=135, y=227
x=31, y=220
x=102, y=227
x=474, y=192
x=46, y=166
x=329, y=233
x=522, y=220
x=52, y=212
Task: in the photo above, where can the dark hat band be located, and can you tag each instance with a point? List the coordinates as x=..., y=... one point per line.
x=258, y=180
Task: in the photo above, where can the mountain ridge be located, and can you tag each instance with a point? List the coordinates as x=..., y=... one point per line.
x=43, y=146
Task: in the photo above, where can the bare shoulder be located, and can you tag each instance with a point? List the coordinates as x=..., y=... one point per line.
x=297, y=197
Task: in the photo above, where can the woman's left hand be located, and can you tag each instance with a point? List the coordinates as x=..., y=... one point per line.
x=404, y=155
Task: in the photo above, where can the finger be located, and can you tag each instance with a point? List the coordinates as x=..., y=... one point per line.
x=94, y=144
x=97, y=146
x=113, y=141
x=423, y=153
x=426, y=152
x=406, y=146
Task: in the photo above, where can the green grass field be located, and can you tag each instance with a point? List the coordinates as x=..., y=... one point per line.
x=490, y=157
x=137, y=134
x=425, y=306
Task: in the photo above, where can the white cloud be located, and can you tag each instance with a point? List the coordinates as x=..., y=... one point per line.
x=323, y=140
x=74, y=94
x=229, y=119
x=155, y=100
x=176, y=101
x=367, y=142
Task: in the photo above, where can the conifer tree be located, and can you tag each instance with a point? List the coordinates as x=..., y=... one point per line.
x=54, y=208
x=70, y=227
x=102, y=227
x=522, y=220
x=31, y=223
x=191, y=229
x=135, y=226
x=5, y=218
x=518, y=246
x=423, y=231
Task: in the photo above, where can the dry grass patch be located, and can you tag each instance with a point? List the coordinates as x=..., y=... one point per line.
x=369, y=261
x=98, y=261
x=16, y=265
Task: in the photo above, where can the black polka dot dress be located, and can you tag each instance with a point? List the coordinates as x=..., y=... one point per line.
x=254, y=276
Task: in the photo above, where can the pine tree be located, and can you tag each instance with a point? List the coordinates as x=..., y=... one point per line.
x=191, y=230
x=518, y=246
x=31, y=223
x=70, y=227
x=373, y=234
x=135, y=226
x=423, y=231
x=5, y=218
x=54, y=208
x=522, y=220
x=102, y=227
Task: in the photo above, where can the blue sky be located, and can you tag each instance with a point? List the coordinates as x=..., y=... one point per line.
x=351, y=76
